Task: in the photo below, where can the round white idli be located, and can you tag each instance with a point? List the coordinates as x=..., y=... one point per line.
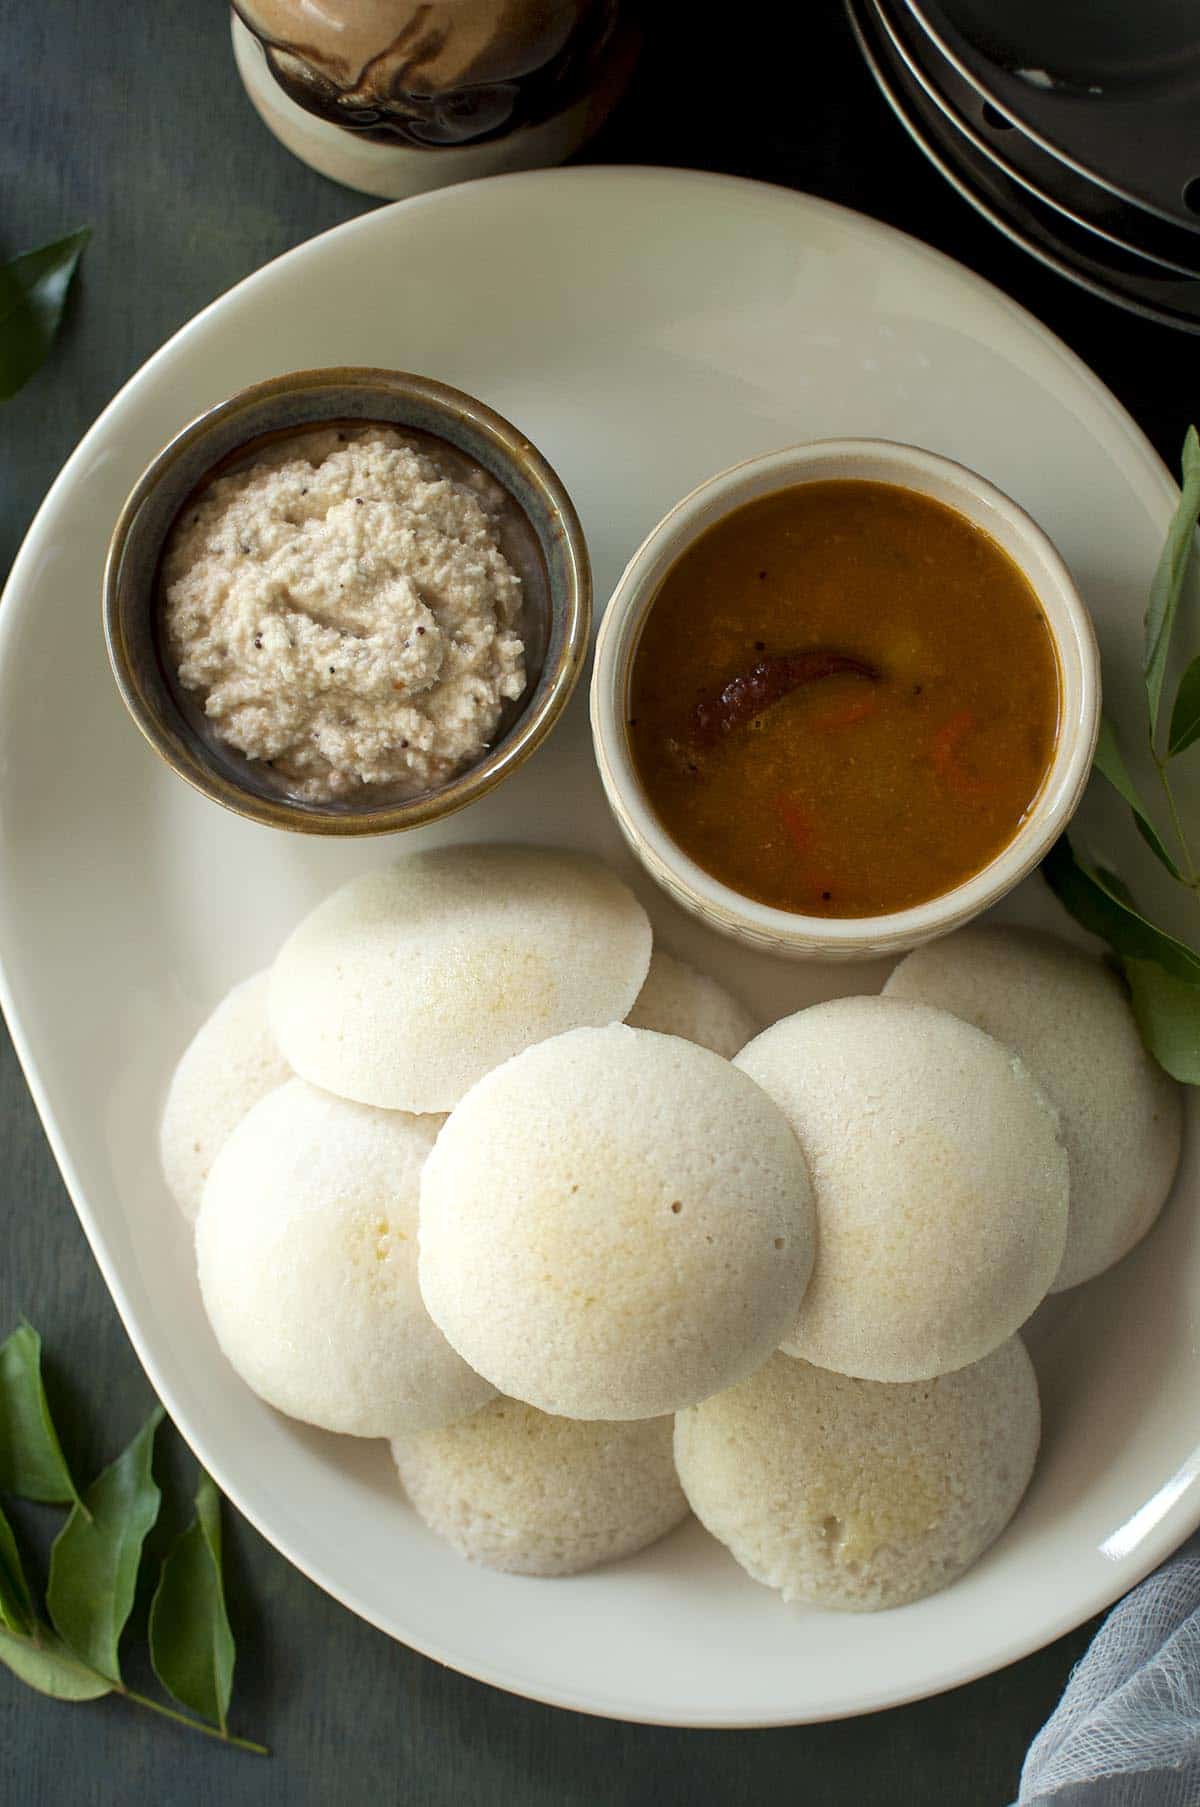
x=678, y=1000
x=614, y=1224
x=408, y=985
x=940, y=1184
x=856, y=1494
x=231, y=1062
x=306, y=1244
x=1068, y=1017
x=519, y=1490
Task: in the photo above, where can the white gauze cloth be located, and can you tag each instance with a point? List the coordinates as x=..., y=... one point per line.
x=1127, y=1730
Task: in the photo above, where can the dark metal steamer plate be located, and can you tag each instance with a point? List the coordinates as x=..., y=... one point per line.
x=1110, y=86
x=1131, y=282
x=1048, y=178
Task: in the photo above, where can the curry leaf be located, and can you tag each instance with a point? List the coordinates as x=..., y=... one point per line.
x=1185, y=716
x=45, y=1663
x=1115, y=884
x=1163, y=972
x=33, y=293
x=1104, y=908
x=94, y=1562
x=1167, y=587
x=1168, y=1015
x=16, y=1605
x=191, y=1645
x=1110, y=762
x=32, y=1464
x=94, y=1569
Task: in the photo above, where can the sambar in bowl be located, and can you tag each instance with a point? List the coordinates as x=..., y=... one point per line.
x=845, y=696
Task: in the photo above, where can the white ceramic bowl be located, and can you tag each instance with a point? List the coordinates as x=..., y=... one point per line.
x=879, y=461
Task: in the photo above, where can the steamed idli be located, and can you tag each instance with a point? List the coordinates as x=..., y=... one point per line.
x=306, y=1245
x=408, y=985
x=615, y=1223
x=1069, y=1019
x=940, y=1184
x=678, y=1000
x=231, y=1062
x=516, y=1489
x=857, y=1494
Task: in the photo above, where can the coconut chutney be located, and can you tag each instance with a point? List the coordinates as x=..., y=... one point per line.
x=343, y=608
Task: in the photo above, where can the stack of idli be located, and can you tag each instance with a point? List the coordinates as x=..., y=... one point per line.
x=411, y=983
x=988, y=1131
x=678, y=1000
x=522, y=1490
x=232, y=1061
x=940, y=1181
x=1067, y=1017
x=297, y=1128
x=615, y=1224
x=306, y=1248
x=858, y=1494
x=407, y=985
x=477, y=1169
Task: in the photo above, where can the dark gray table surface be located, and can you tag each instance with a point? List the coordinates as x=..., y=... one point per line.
x=132, y=119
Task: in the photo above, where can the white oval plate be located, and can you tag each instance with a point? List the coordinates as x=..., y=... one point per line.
x=645, y=327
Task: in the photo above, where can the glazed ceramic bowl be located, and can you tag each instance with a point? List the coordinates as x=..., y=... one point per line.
x=557, y=596
x=879, y=461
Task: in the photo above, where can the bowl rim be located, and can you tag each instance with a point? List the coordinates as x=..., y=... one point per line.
x=1066, y=777
x=525, y=735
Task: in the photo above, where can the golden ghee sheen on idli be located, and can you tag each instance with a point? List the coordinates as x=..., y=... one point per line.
x=1068, y=1017
x=615, y=1223
x=939, y=1178
x=861, y=1494
x=231, y=1062
x=517, y=1489
x=678, y=1000
x=306, y=1245
x=409, y=984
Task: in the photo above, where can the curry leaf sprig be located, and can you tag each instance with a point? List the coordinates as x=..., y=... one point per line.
x=33, y=294
x=72, y=1652
x=1163, y=972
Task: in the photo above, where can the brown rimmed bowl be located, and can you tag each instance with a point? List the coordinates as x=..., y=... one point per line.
x=557, y=600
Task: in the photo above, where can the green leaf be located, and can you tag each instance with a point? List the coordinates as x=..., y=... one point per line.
x=16, y=1603
x=47, y=1665
x=33, y=293
x=1116, y=886
x=94, y=1562
x=1110, y=763
x=1168, y=1016
x=1185, y=716
x=1167, y=587
x=32, y=1464
x=1103, y=906
x=191, y=1645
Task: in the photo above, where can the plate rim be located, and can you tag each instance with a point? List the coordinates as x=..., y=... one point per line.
x=1182, y=1513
